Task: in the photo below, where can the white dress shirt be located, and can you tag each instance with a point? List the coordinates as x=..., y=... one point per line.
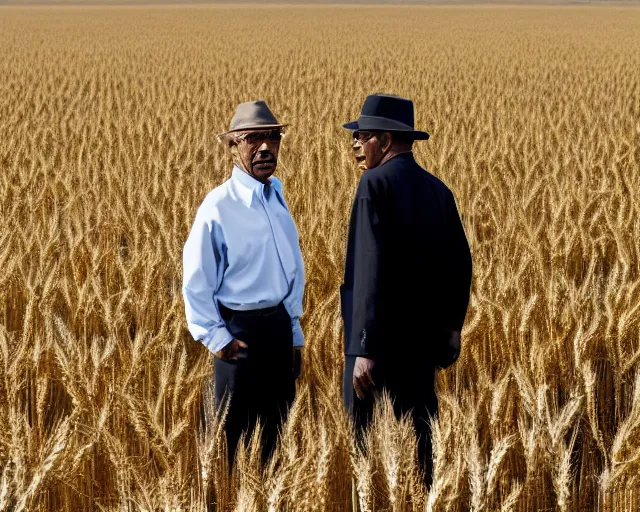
x=243, y=251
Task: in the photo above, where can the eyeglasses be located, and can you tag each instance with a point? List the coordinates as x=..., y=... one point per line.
x=253, y=138
x=362, y=136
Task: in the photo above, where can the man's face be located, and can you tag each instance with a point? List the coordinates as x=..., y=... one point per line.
x=367, y=149
x=257, y=151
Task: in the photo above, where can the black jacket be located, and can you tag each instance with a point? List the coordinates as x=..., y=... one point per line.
x=408, y=265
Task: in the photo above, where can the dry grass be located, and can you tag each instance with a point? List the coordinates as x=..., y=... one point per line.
x=107, y=124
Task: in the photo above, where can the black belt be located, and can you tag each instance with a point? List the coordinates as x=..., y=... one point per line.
x=227, y=313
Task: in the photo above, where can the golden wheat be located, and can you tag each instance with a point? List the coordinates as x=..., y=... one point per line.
x=108, y=118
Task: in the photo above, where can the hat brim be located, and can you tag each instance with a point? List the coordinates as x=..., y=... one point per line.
x=250, y=128
x=353, y=125
x=416, y=134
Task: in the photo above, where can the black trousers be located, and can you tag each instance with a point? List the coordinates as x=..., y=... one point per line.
x=412, y=389
x=262, y=384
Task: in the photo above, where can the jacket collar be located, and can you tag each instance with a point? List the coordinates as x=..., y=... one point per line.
x=406, y=156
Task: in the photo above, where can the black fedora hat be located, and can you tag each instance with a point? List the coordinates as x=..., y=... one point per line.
x=388, y=113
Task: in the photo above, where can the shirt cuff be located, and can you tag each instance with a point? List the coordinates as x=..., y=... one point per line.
x=298, y=335
x=217, y=339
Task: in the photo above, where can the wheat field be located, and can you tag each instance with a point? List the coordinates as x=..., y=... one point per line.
x=108, y=118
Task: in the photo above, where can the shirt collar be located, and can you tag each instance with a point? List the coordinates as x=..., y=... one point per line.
x=247, y=186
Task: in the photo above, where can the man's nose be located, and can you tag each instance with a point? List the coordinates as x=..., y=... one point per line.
x=264, y=146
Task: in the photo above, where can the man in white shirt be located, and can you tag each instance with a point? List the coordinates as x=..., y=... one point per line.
x=243, y=282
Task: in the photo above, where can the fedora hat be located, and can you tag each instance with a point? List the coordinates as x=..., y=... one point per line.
x=252, y=115
x=387, y=113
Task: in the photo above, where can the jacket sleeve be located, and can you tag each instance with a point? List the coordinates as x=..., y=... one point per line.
x=366, y=293
x=458, y=263
x=202, y=264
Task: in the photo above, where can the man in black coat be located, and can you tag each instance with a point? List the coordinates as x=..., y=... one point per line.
x=407, y=273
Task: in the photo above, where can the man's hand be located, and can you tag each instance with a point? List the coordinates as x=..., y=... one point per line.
x=362, y=377
x=454, y=342
x=233, y=351
x=451, y=350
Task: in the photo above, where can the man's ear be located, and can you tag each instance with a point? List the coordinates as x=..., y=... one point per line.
x=234, y=151
x=386, y=140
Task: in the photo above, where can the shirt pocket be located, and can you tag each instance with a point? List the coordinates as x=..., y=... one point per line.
x=246, y=245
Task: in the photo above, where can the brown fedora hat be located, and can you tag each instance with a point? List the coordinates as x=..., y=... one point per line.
x=252, y=115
